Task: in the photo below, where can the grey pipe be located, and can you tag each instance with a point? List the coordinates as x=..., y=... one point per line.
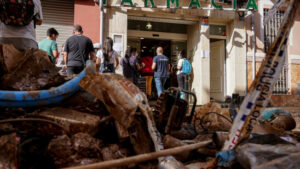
x=101, y=21
x=246, y=66
x=253, y=46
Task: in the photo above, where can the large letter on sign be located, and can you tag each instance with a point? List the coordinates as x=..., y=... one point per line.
x=195, y=2
x=215, y=5
x=151, y=1
x=252, y=4
x=128, y=1
x=173, y=1
x=234, y=4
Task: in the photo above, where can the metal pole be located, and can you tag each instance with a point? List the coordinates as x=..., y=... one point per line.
x=101, y=21
x=253, y=46
x=246, y=66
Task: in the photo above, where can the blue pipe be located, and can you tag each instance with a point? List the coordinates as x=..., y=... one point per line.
x=42, y=97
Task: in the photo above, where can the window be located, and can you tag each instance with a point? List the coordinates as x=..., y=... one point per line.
x=270, y=32
x=219, y=30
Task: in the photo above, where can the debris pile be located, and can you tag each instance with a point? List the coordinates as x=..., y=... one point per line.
x=109, y=123
x=110, y=119
x=27, y=71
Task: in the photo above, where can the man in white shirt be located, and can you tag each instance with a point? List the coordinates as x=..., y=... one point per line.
x=22, y=37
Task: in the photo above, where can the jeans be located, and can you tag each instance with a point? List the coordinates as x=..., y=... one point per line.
x=182, y=80
x=160, y=82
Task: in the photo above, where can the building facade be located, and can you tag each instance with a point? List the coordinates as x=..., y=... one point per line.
x=217, y=42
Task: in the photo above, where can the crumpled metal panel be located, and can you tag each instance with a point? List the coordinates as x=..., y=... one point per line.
x=73, y=121
x=120, y=96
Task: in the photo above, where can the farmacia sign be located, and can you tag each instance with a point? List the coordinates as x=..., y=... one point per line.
x=193, y=3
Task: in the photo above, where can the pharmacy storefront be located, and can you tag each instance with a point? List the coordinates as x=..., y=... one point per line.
x=211, y=33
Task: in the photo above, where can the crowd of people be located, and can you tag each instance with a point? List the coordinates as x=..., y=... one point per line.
x=78, y=49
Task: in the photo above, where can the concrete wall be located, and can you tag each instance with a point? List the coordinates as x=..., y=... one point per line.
x=86, y=13
x=236, y=58
x=198, y=42
x=294, y=38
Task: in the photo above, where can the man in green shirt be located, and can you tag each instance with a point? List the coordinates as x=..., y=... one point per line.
x=49, y=44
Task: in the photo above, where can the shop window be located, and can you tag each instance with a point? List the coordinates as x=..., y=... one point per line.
x=270, y=32
x=218, y=30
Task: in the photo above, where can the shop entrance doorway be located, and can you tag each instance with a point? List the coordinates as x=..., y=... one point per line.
x=217, y=70
x=148, y=47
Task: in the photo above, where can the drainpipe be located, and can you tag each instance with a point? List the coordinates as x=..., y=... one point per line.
x=101, y=21
x=245, y=28
x=253, y=46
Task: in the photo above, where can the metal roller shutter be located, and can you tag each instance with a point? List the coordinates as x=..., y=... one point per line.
x=58, y=14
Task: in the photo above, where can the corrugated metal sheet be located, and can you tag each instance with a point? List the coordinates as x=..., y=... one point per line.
x=58, y=14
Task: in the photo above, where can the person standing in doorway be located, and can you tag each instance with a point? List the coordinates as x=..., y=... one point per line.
x=146, y=71
x=130, y=65
x=107, y=58
x=78, y=49
x=161, y=67
x=49, y=44
x=183, y=71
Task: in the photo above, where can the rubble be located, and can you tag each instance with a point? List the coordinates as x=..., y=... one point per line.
x=81, y=149
x=207, y=164
x=86, y=146
x=73, y=121
x=9, y=151
x=29, y=71
x=213, y=117
x=278, y=119
x=171, y=142
x=109, y=124
x=266, y=156
x=122, y=99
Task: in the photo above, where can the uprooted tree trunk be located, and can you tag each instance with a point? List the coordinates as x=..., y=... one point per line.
x=129, y=107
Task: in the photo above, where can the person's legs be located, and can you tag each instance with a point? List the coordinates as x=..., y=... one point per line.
x=186, y=85
x=78, y=69
x=71, y=70
x=148, y=85
x=180, y=80
x=158, y=84
x=163, y=82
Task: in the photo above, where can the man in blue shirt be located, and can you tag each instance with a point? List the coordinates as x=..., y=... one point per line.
x=161, y=67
